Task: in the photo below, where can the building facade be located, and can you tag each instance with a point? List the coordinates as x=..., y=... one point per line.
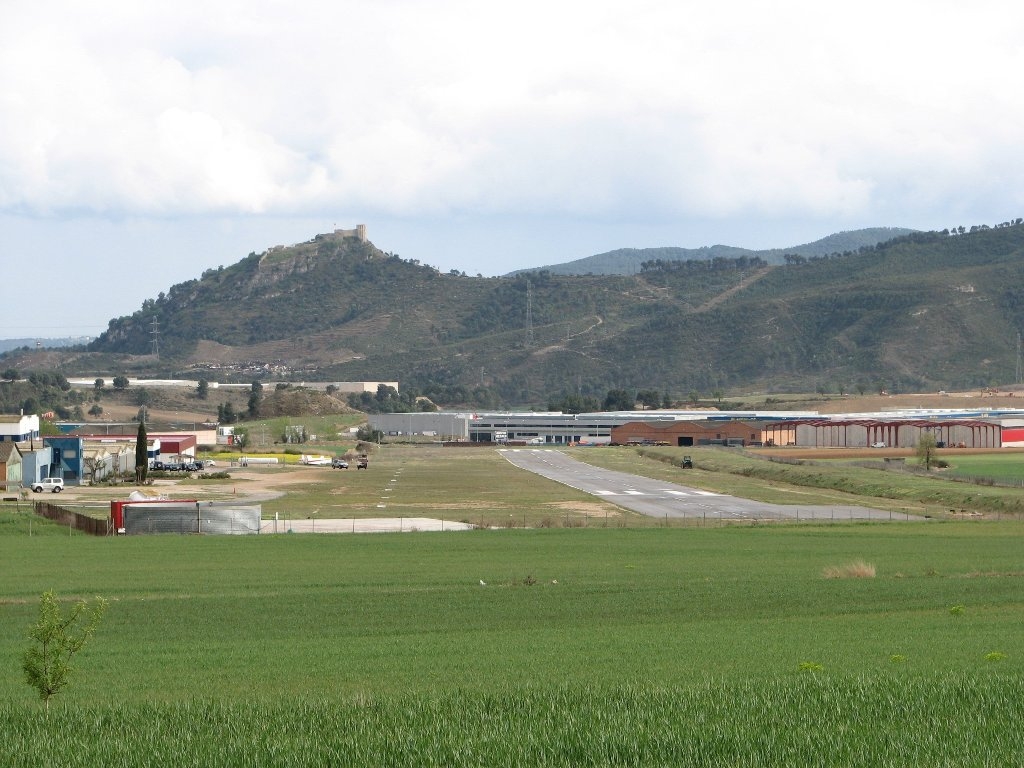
x=18, y=429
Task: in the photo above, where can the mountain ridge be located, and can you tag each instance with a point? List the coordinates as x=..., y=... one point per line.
x=922, y=312
x=628, y=261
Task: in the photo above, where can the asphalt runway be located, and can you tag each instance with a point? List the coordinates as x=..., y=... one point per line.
x=656, y=498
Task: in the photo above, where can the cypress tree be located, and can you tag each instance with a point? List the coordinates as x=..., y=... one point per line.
x=141, y=454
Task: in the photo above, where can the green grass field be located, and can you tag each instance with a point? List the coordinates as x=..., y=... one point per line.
x=683, y=646
x=1006, y=467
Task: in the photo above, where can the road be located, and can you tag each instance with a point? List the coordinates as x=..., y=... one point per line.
x=658, y=498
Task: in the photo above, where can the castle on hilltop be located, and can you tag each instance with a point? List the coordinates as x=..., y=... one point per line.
x=359, y=232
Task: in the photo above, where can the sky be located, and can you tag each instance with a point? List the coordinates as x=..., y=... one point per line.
x=142, y=143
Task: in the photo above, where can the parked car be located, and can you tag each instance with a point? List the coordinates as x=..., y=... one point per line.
x=362, y=463
x=878, y=445
x=52, y=484
x=339, y=463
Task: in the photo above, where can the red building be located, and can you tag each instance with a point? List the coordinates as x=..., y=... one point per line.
x=686, y=433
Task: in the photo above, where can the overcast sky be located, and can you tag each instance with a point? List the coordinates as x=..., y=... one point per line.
x=144, y=142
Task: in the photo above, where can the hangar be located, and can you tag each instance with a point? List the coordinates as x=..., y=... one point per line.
x=892, y=432
x=686, y=433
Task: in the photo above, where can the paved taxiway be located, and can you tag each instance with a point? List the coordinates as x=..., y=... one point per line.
x=658, y=498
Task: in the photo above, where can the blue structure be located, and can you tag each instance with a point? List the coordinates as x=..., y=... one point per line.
x=67, y=459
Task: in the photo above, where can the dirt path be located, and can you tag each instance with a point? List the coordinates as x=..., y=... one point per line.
x=714, y=301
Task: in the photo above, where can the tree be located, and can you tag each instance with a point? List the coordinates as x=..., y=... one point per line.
x=385, y=392
x=55, y=639
x=255, y=396
x=120, y=382
x=927, y=449
x=96, y=410
x=619, y=400
x=202, y=389
x=11, y=375
x=226, y=413
x=571, y=403
x=141, y=453
x=648, y=398
x=98, y=384
x=368, y=434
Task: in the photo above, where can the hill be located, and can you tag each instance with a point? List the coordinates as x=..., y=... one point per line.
x=629, y=261
x=924, y=312
x=67, y=341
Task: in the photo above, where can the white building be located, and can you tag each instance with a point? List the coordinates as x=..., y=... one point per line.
x=18, y=429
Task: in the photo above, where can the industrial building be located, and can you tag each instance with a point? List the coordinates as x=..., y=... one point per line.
x=897, y=429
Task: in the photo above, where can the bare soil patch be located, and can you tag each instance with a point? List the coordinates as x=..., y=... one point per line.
x=586, y=508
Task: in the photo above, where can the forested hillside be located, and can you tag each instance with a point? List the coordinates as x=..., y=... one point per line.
x=926, y=311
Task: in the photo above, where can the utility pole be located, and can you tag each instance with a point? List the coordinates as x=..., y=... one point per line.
x=155, y=333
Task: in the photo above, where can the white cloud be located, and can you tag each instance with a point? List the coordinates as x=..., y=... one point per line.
x=590, y=108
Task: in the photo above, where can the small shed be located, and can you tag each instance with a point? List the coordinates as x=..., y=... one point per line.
x=36, y=458
x=10, y=466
